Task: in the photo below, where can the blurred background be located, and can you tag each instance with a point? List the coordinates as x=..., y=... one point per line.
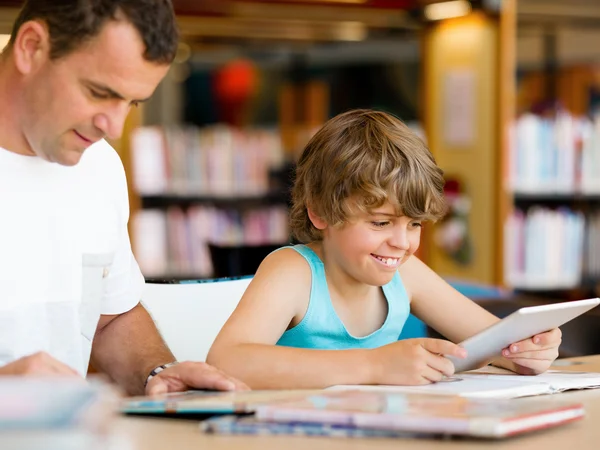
x=505, y=92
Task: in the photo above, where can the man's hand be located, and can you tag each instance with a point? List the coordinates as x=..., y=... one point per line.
x=534, y=355
x=192, y=375
x=38, y=364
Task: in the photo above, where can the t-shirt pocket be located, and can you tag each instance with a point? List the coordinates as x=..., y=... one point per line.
x=95, y=269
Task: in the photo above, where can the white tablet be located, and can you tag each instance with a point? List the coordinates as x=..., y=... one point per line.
x=522, y=324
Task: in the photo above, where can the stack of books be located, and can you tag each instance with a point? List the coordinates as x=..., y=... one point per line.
x=358, y=413
x=485, y=403
x=557, y=155
x=544, y=248
x=213, y=161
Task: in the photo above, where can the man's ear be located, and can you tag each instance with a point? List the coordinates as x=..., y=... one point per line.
x=318, y=223
x=31, y=47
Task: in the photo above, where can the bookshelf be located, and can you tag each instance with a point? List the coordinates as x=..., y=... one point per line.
x=203, y=190
x=280, y=197
x=554, y=228
x=553, y=179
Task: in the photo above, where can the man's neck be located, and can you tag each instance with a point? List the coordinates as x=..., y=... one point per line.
x=11, y=136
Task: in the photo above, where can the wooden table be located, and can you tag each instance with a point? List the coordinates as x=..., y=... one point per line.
x=170, y=434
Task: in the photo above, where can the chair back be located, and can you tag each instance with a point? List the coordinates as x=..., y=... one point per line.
x=190, y=314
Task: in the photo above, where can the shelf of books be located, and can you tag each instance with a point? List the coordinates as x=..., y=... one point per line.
x=554, y=229
x=203, y=186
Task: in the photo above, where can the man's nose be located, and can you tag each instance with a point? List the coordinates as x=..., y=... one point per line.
x=111, y=122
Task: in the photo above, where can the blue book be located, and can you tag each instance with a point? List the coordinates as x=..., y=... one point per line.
x=249, y=425
x=206, y=403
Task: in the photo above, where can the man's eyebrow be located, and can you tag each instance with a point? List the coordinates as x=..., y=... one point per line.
x=111, y=92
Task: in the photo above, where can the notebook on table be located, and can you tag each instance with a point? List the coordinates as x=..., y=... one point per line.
x=496, y=384
x=431, y=414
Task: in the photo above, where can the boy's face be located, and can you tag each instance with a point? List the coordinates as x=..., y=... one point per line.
x=372, y=246
x=74, y=101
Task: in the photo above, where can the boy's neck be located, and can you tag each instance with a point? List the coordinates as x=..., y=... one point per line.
x=340, y=283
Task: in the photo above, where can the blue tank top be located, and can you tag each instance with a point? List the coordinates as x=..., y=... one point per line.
x=321, y=328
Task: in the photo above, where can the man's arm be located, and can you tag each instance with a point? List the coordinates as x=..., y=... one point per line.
x=127, y=347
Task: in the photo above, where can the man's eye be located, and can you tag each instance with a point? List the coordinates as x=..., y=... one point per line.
x=98, y=95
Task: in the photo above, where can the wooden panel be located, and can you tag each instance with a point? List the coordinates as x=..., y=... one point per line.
x=7, y=18
x=202, y=6
x=507, y=112
x=468, y=46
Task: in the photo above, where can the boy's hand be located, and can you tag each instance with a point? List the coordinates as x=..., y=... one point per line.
x=534, y=355
x=413, y=361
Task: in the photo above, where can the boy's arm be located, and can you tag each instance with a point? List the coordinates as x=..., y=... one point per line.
x=441, y=306
x=456, y=317
x=245, y=347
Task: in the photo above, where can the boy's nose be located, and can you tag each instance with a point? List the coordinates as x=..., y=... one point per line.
x=399, y=239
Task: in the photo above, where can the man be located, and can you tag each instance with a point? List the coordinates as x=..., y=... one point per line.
x=69, y=284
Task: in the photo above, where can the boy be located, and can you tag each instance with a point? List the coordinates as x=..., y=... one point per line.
x=330, y=311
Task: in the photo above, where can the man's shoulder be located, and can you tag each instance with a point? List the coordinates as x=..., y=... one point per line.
x=101, y=171
x=101, y=156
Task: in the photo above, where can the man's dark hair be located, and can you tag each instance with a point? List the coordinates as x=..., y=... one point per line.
x=71, y=23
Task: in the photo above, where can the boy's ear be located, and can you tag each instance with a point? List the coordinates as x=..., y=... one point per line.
x=318, y=223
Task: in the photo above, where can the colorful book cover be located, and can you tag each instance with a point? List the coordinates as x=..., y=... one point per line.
x=208, y=402
x=249, y=425
x=423, y=413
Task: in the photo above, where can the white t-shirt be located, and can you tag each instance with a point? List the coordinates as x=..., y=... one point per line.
x=65, y=256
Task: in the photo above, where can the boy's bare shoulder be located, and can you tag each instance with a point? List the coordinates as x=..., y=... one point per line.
x=286, y=263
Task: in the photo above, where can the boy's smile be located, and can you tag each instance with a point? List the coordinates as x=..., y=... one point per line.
x=388, y=261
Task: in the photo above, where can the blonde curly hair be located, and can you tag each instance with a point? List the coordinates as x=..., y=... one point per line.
x=370, y=157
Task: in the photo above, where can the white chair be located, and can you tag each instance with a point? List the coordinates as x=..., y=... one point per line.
x=190, y=315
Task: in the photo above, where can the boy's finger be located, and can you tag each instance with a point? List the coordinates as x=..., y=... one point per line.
x=442, y=347
x=548, y=337
x=547, y=354
x=525, y=347
x=440, y=364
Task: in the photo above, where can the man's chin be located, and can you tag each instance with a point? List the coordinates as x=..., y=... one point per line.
x=68, y=158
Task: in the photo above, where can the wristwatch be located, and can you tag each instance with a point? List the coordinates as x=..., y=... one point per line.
x=158, y=370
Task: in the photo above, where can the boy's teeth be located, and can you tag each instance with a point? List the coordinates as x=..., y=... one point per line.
x=387, y=261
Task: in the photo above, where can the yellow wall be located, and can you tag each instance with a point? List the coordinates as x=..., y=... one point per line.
x=468, y=44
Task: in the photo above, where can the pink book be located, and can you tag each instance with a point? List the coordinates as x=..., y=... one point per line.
x=446, y=415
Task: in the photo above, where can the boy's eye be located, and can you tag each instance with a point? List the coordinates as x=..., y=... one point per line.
x=380, y=224
x=417, y=224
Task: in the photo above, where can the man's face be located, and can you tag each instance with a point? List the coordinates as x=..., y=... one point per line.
x=74, y=101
